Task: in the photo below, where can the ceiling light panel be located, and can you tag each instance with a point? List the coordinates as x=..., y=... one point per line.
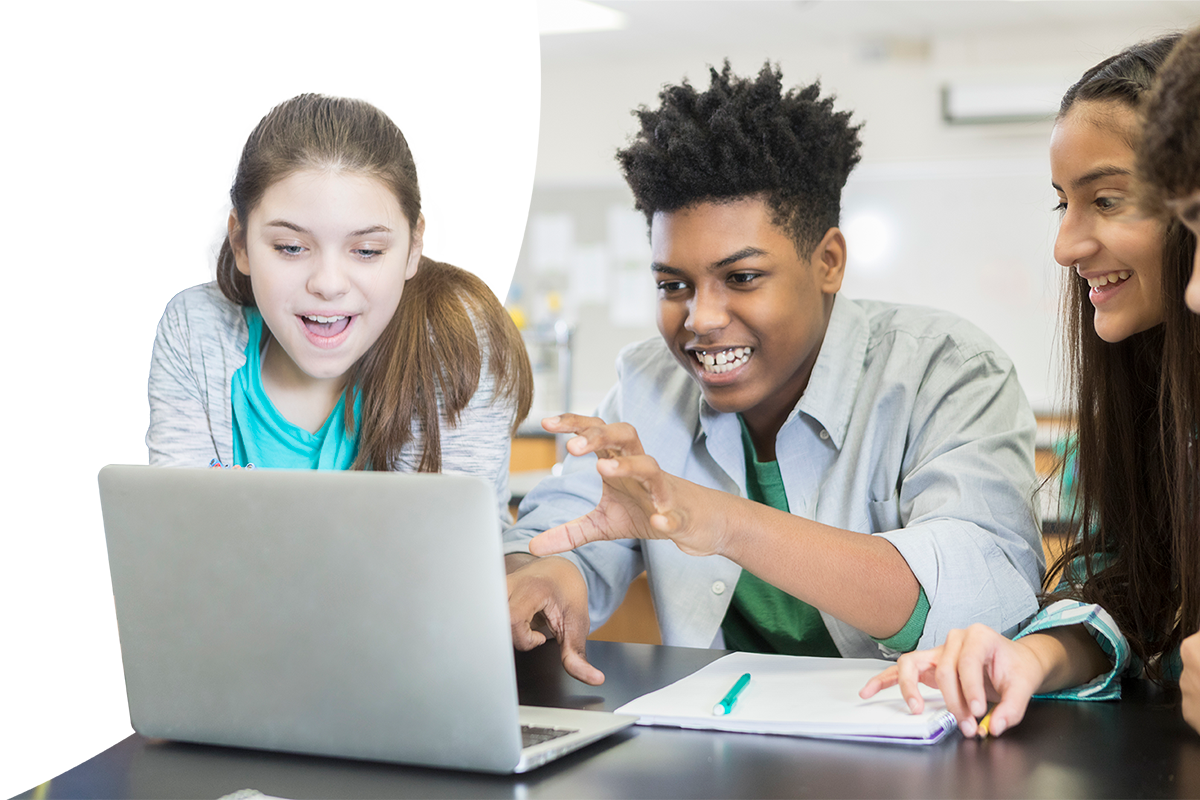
x=514, y=17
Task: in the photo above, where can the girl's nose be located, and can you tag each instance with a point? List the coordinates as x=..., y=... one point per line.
x=1076, y=241
x=328, y=280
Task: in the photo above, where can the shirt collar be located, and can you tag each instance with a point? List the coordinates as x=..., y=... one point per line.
x=832, y=386
x=829, y=397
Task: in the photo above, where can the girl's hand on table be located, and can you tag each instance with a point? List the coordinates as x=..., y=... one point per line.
x=975, y=667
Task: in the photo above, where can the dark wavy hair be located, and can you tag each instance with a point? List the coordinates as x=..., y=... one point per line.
x=744, y=137
x=1169, y=153
x=1135, y=546
x=429, y=353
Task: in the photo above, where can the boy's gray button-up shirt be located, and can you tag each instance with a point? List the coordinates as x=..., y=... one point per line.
x=913, y=427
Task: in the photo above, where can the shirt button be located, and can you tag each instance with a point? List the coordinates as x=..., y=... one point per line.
x=824, y=434
x=719, y=587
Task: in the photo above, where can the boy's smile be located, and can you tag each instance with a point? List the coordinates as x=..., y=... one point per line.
x=740, y=309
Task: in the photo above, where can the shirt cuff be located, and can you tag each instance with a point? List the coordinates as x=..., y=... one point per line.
x=905, y=640
x=1103, y=629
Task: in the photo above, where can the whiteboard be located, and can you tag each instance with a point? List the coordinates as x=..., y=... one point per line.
x=972, y=237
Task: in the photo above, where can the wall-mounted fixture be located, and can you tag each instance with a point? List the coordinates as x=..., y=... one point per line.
x=994, y=103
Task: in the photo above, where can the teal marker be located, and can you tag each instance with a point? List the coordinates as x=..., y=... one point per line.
x=731, y=697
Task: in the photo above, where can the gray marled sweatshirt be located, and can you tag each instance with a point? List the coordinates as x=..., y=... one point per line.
x=201, y=342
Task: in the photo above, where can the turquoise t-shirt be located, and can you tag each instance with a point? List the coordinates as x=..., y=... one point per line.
x=264, y=438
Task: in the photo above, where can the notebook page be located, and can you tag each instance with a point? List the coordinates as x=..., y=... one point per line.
x=795, y=695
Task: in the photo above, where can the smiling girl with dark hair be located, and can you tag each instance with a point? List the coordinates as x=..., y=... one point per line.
x=1131, y=576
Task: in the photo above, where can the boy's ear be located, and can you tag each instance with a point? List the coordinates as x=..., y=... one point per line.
x=416, y=242
x=237, y=243
x=829, y=259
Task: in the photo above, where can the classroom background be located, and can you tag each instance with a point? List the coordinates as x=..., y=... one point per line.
x=124, y=133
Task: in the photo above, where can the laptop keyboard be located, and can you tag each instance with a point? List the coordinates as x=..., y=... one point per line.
x=531, y=734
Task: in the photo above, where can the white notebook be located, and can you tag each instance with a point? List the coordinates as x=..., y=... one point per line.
x=795, y=696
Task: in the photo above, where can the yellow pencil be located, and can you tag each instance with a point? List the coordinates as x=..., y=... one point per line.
x=985, y=723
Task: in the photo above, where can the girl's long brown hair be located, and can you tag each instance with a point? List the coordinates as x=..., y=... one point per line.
x=426, y=365
x=1135, y=544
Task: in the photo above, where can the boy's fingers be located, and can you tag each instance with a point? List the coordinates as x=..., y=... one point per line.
x=574, y=656
x=570, y=423
x=594, y=435
x=565, y=537
x=641, y=468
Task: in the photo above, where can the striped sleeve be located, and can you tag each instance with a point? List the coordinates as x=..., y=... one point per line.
x=1103, y=629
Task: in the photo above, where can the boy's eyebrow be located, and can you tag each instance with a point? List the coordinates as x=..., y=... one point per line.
x=745, y=252
x=733, y=258
x=1094, y=175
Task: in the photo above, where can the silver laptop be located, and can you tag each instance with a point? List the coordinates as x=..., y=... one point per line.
x=354, y=614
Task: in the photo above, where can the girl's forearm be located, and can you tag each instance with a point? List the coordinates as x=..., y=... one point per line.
x=1069, y=657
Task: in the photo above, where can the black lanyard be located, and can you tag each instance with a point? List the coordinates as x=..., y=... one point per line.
x=49, y=131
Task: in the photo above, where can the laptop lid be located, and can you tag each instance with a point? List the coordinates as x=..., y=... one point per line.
x=355, y=614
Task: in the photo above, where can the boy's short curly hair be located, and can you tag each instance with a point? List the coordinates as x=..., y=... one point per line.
x=1169, y=151
x=745, y=137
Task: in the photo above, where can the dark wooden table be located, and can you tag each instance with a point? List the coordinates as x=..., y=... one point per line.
x=1139, y=747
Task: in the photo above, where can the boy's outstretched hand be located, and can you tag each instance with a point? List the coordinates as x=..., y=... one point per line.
x=640, y=500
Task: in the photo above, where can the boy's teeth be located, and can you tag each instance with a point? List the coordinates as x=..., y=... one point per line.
x=25, y=36
x=724, y=360
x=323, y=320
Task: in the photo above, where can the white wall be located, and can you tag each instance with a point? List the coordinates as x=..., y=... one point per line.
x=968, y=206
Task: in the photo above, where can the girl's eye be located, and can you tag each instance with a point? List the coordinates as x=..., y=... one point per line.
x=363, y=253
x=671, y=286
x=1061, y=207
x=289, y=249
x=743, y=278
x=1107, y=203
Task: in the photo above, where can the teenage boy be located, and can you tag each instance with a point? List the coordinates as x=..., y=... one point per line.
x=796, y=471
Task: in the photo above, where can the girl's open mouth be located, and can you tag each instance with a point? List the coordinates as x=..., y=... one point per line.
x=325, y=327
x=1102, y=284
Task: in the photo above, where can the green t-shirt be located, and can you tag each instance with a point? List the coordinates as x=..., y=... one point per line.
x=764, y=619
x=265, y=438
x=761, y=618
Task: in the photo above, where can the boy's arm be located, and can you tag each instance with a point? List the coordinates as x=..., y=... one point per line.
x=566, y=603
x=964, y=527
x=856, y=577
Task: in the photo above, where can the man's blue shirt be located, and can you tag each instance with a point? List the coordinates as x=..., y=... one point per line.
x=94, y=58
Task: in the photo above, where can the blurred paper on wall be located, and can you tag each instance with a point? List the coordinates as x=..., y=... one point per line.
x=633, y=303
x=551, y=241
x=589, y=275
